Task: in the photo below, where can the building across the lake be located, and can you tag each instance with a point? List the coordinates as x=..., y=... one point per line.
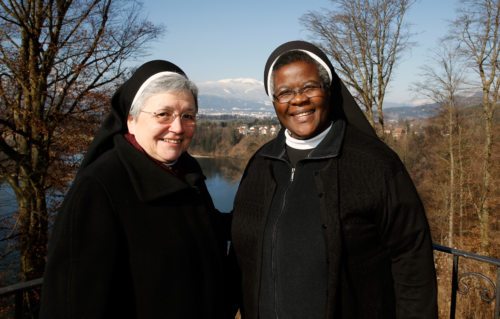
x=258, y=130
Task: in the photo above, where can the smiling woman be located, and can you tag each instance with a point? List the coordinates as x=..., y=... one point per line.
x=300, y=101
x=138, y=235
x=326, y=207
x=165, y=126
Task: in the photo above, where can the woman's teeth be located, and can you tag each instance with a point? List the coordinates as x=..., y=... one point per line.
x=304, y=113
x=167, y=140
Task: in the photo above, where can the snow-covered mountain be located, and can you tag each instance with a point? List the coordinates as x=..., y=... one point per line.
x=240, y=88
x=234, y=96
x=245, y=96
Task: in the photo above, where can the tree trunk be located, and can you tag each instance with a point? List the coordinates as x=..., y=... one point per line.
x=484, y=209
x=32, y=242
x=33, y=225
x=369, y=116
x=380, y=116
x=451, y=190
x=460, y=184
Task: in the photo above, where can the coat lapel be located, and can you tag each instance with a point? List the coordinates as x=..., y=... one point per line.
x=150, y=181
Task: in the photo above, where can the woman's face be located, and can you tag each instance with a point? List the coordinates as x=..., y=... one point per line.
x=303, y=116
x=164, y=142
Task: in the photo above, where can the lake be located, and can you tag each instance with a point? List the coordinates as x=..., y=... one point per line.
x=8, y=203
x=223, y=176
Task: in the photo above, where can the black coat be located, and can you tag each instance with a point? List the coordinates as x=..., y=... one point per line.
x=135, y=241
x=379, y=249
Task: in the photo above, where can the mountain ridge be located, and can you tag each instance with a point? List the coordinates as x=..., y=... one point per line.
x=246, y=96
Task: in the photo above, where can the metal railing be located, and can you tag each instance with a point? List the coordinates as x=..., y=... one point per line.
x=489, y=292
x=18, y=291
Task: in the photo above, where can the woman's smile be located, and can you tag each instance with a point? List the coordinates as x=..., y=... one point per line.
x=303, y=116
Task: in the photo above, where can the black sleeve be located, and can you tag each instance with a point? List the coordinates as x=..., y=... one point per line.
x=221, y=222
x=82, y=254
x=406, y=233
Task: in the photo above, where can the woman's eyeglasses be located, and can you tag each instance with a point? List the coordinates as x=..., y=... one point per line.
x=310, y=91
x=168, y=116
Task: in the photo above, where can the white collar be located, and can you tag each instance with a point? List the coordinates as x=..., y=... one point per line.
x=305, y=144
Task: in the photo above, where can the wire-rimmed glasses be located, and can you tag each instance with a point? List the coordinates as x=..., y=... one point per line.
x=168, y=116
x=310, y=90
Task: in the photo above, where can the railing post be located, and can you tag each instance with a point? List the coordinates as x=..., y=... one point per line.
x=454, y=287
x=19, y=289
x=497, y=303
x=18, y=304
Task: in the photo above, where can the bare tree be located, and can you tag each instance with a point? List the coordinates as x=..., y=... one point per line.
x=477, y=30
x=441, y=81
x=58, y=61
x=365, y=38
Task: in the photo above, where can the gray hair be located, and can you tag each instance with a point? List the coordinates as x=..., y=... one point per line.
x=294, y=56
x=165, y=82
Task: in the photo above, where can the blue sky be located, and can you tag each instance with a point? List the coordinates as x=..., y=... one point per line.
x=221, y=39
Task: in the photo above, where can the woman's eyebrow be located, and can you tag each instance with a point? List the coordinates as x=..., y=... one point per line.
x=174, y=109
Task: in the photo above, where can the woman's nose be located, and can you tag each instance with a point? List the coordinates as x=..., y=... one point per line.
x=299, y=98
x=176, y=125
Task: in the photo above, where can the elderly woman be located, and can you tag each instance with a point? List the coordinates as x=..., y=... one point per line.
x=138, y=235
x=327, y=222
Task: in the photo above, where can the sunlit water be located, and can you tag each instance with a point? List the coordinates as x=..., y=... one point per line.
x=222, y=181
x=223, y=176
x=8, y=203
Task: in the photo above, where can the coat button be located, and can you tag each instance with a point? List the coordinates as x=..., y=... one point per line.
x=325, y=226
x=320, y=195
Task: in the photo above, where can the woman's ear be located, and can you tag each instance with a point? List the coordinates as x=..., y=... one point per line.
x=131, y=124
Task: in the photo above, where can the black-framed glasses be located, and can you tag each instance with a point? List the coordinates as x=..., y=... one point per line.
x=310, y=90
x=168, y=116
